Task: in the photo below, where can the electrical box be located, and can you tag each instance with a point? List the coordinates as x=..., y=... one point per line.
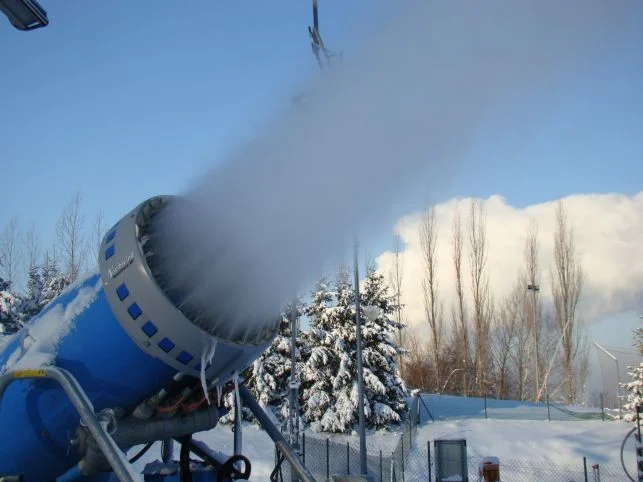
x=489, y=469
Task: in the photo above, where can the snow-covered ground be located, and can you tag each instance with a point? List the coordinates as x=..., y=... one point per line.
x=523, y=442
x=530, y=442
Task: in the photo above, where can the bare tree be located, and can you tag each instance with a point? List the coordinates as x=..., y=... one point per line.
x=522, y=353
x=396, y=278
x=430, y=287
x=69, y=231
x=459, y=315
x=32, y=246
x=567, y=280
x=532, y=273
x=10, y=250
x=482, y=306
x=506, y=326
x=97, y=233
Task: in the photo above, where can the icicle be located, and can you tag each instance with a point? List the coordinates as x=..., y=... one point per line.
x=207, y=354
x=219, y=395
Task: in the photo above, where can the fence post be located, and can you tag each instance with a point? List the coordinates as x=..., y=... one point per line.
x=381, y=472
x=428, y=458
x=410, y=437
x=402, y=459
x=602, y=409
x=327, y=457
x=303, y=443
x=348, y=460
x=548, y=414
x=585, y=467
x=485, y=405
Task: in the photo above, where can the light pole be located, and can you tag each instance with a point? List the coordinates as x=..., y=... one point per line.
x=24, y=14
x=360, y=368
x=534, y=288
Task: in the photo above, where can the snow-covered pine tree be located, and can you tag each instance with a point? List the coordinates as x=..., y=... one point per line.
x=635, y=387
x=10, y=315
x=322, y=362
x=332, y=403
x=271, y=371
x=342, y=414
x=32, y=301
x=54, y=281
x=383, y=384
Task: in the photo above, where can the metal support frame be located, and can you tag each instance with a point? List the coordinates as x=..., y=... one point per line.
x=360, y=367
x=117, y=459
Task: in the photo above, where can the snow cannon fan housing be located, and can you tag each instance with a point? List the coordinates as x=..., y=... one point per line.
x=162, y=327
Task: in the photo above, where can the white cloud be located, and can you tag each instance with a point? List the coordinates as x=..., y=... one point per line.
x=608, y=230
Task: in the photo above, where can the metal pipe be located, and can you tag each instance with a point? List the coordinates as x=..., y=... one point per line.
x=167, y=450
x=72, y=474
x=360, y=368
x=275, y=435
x=618, y=391
x=85, y=409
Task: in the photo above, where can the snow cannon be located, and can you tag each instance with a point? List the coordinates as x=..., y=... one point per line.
x=116, y=362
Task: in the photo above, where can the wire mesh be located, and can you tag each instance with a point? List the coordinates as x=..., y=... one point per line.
x=401, y=459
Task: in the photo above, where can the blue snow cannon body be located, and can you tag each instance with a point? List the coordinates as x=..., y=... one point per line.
x=123, y=339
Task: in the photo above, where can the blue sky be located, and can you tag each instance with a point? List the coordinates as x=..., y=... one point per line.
x=123, y=102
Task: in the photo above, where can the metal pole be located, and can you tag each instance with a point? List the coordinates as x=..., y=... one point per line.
x=327, y=457
x=618, y=391
x=360, y=368
x=294, y=383
x=548, y=413
x=428, y=453
x=534, y=289
x=585, y=467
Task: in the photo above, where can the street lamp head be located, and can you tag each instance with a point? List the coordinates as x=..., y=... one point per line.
x=24, y=14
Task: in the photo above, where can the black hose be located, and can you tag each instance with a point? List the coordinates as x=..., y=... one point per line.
x=141, y=452
x=622, y=449
x=230, y=471
x=184, y=459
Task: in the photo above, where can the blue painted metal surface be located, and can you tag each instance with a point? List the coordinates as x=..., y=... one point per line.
x=37, y=419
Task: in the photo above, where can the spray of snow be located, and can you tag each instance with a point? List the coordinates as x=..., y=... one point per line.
x=39, y=344
x=401, y=114
x=207, y=354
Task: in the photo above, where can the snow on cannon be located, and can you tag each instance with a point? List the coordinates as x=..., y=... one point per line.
x=118, y=360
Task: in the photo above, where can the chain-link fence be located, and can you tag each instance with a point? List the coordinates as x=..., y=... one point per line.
x=445, y=407
x=398, y=457
x=328, y=456
x=530, y=470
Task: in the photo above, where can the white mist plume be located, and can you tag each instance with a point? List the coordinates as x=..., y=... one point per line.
x=406, y=107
